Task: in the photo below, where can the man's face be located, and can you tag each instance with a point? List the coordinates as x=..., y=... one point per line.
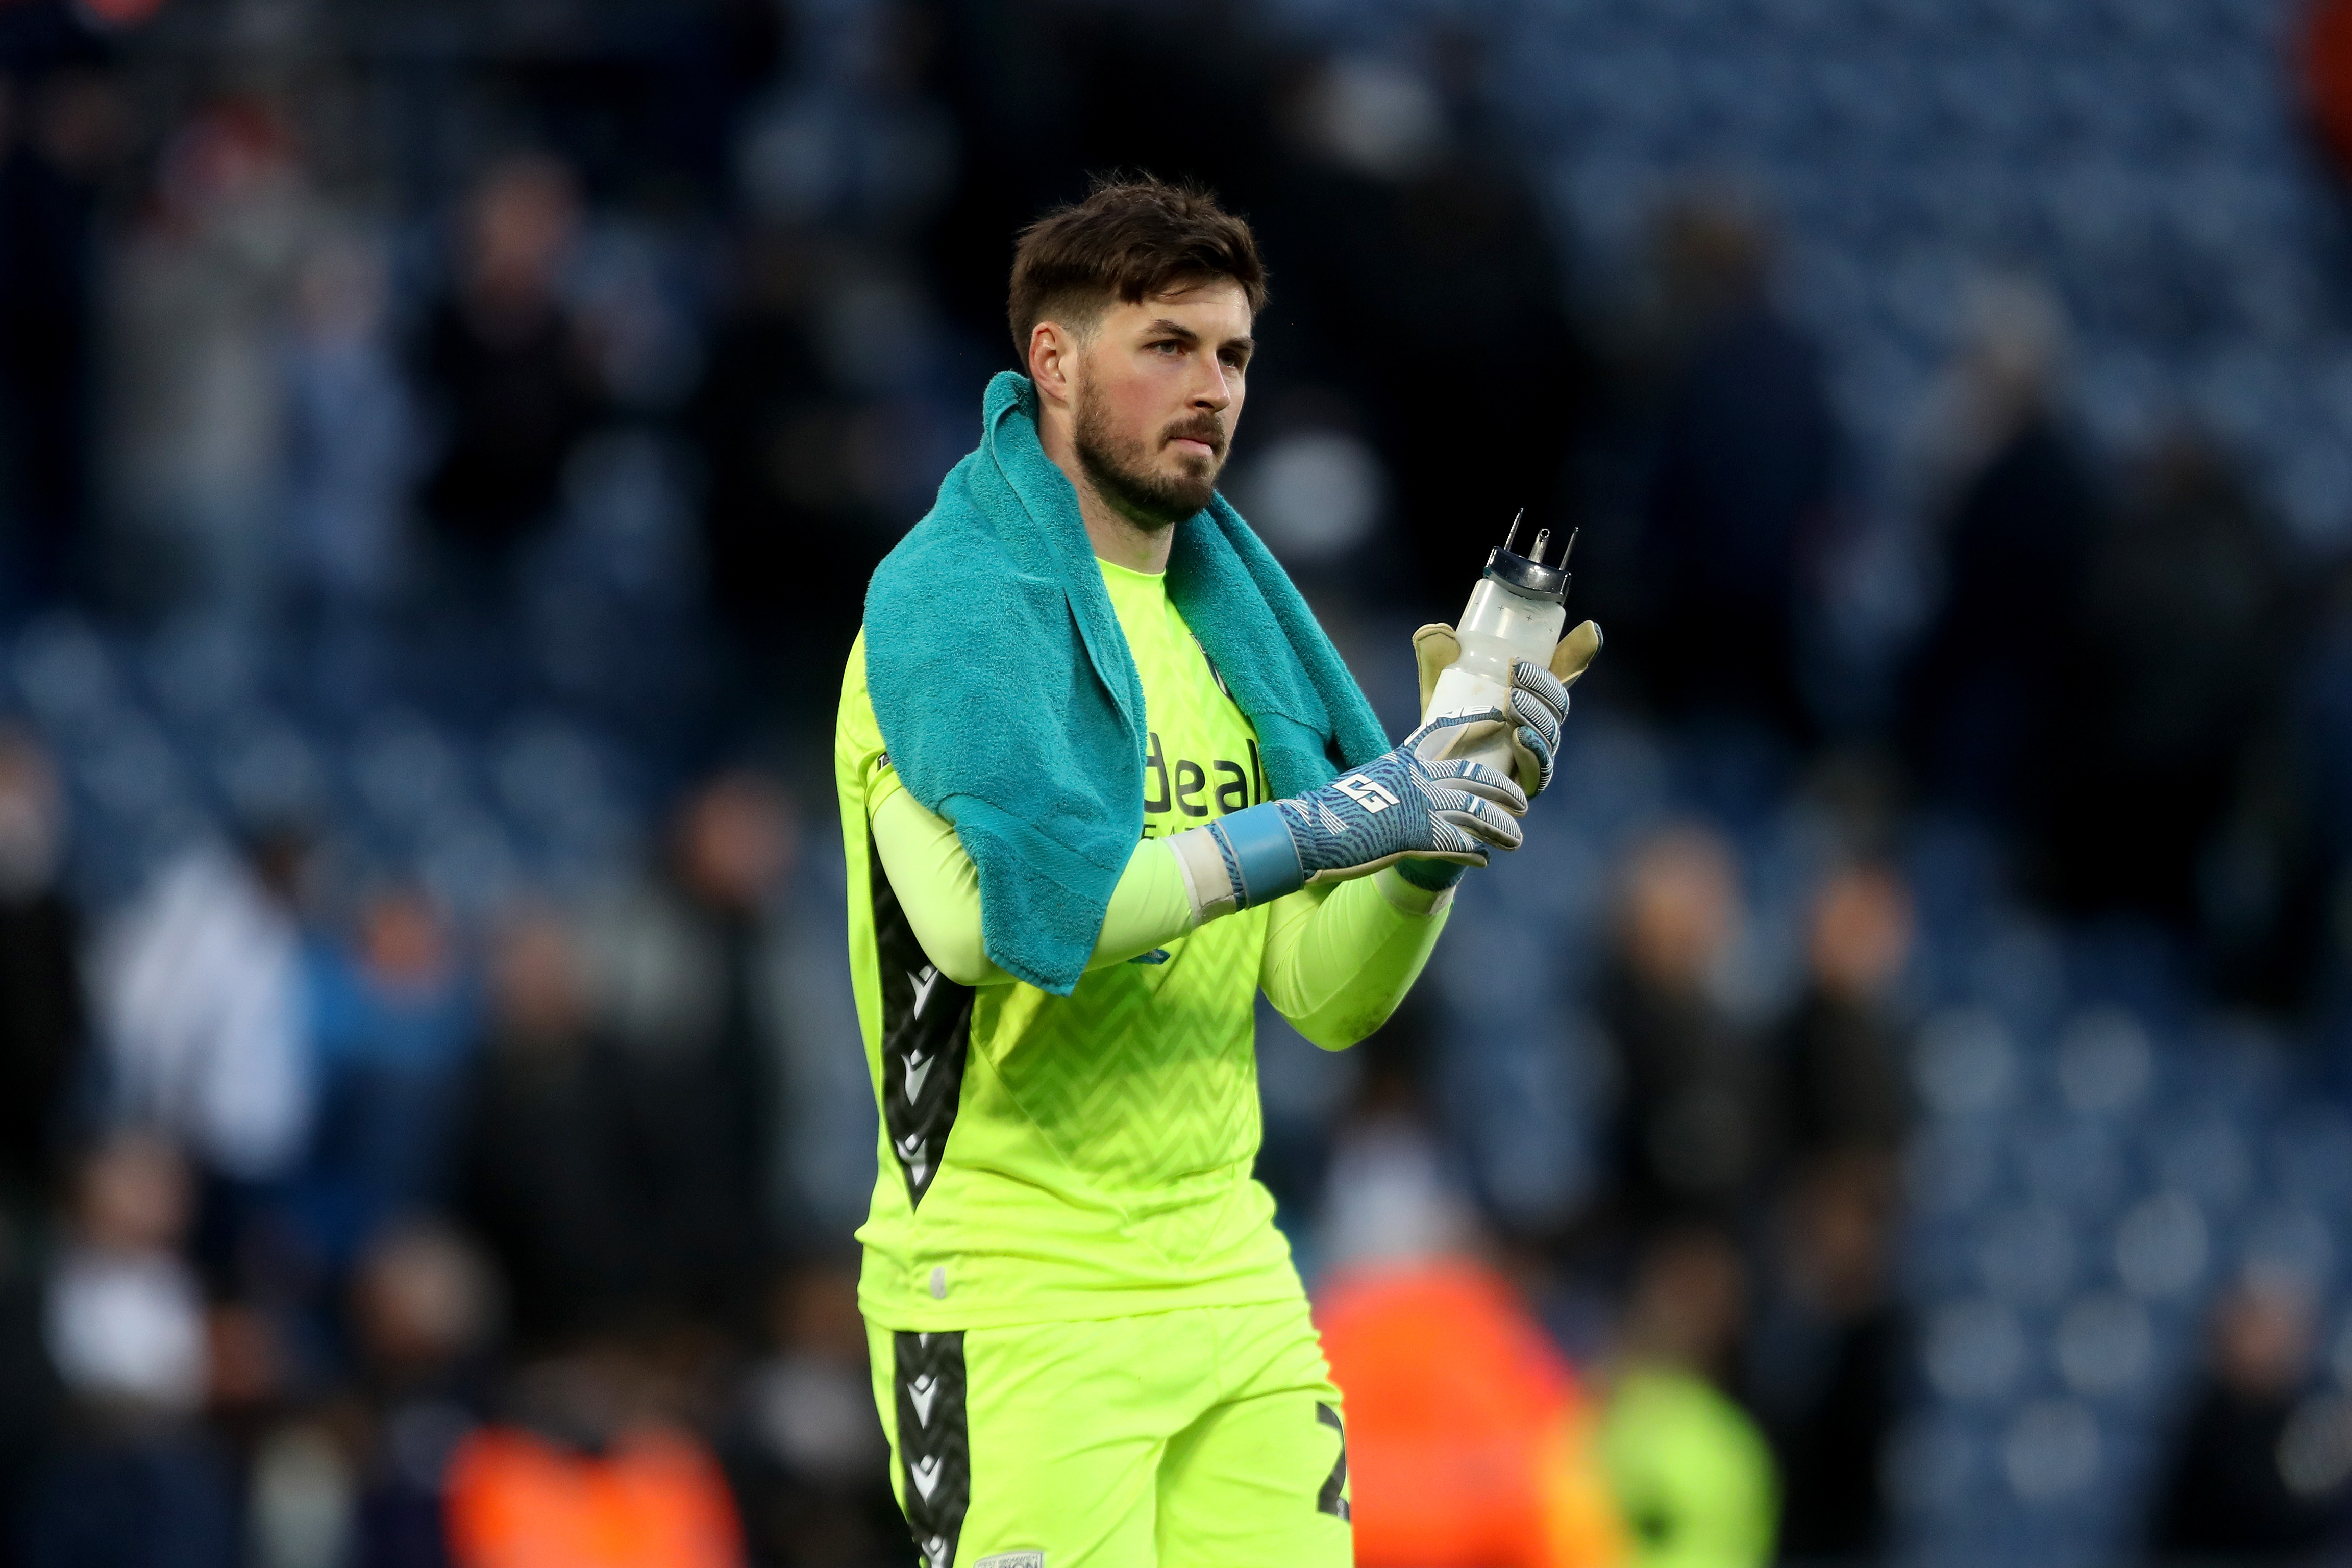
x=1158, y=392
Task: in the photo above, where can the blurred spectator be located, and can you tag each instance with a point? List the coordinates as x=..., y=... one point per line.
x=423, y=1307
x=65, y=122
x=1316, y=492
x=2235, y=1491
x=2310, y=812
x=1691, y=1475
x=1392, y=207
x=544, y=1173
x=506, y=367
x=687, y=978
x=350, y=441
x=1827, y=1376
x=1840, y=1055
x=1388, y=1195
x=2182, y=664
x=1469, y=1439
x=811, y=1467
x=132, y=1483
x=1744, y=488
x=298, y=1501
x=44, y=1025
x=199, y=306
x=422, y=1301
x=1830, y=1337
x=31, y=1398
x=1693, y=1124
x=594, y=1472
x=392, y=1019
x=864, y=149
x=201, y=993
x=1984, y=705
x=2239, y=1487
x=2327, y=71
x=1470, y=1442
x=772, y=557
x=126, y=1318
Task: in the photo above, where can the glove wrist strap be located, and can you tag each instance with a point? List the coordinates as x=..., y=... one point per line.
x=1260, y=857
x=1207, y=884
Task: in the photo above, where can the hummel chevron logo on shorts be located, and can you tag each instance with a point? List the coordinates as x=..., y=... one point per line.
x=934, y=1445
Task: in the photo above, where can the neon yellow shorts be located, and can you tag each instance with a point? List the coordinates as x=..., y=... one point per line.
x=1205, y=1438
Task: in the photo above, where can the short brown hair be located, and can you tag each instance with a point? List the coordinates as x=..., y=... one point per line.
x=1131, y=237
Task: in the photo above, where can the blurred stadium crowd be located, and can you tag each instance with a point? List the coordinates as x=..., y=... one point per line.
x=442, y=448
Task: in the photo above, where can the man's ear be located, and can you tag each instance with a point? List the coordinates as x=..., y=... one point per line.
x=1053, y=359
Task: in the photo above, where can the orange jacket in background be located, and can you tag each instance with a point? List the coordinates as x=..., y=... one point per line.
x=2327, y=69
x=655, y=1500
x=1469, y=1441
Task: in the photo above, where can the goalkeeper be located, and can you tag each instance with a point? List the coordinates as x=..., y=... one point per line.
x=1102, y=780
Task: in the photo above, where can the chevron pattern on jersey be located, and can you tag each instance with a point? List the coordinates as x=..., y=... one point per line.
x=1146, y=1078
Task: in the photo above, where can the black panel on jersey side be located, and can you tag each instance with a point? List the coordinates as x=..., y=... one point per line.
x=926, y=1033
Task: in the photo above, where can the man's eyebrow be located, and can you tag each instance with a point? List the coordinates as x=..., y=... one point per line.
x=1164, y=327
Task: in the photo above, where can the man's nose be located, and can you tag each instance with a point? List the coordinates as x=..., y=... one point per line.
x=1214, y=391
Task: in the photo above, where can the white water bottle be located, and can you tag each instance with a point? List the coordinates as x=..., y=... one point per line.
x=1517, y=611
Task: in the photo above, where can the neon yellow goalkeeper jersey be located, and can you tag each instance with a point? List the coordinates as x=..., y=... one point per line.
x=1101, y=1142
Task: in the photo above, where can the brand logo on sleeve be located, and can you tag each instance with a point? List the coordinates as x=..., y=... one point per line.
x=1013, y=1559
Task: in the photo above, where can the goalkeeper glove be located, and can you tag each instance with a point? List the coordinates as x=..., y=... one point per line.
x=1396, y=806
x=1539, y=697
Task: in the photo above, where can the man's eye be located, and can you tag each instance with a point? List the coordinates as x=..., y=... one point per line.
x=1171, y=346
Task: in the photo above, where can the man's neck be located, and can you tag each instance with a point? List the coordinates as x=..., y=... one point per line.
x=1115, y=537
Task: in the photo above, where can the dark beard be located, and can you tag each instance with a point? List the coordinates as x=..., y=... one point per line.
x=1119, y=471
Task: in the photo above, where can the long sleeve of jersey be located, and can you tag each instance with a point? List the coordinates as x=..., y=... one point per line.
x=938, y=887
x=1338, y=959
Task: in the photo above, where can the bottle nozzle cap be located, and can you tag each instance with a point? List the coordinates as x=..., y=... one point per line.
x=1521, y=575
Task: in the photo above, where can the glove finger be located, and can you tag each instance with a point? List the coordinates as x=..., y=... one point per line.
x=1538, y=713
x=1530, y=682
x=1478, y=817
x=1477, y=779
x=1533, y=757
x=1452, y=843
x=1535, y=743
x=1575, y=653
x=1434, y=650
x=1480, y=829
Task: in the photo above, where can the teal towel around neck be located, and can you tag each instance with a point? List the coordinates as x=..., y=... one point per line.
x=1011, y=705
